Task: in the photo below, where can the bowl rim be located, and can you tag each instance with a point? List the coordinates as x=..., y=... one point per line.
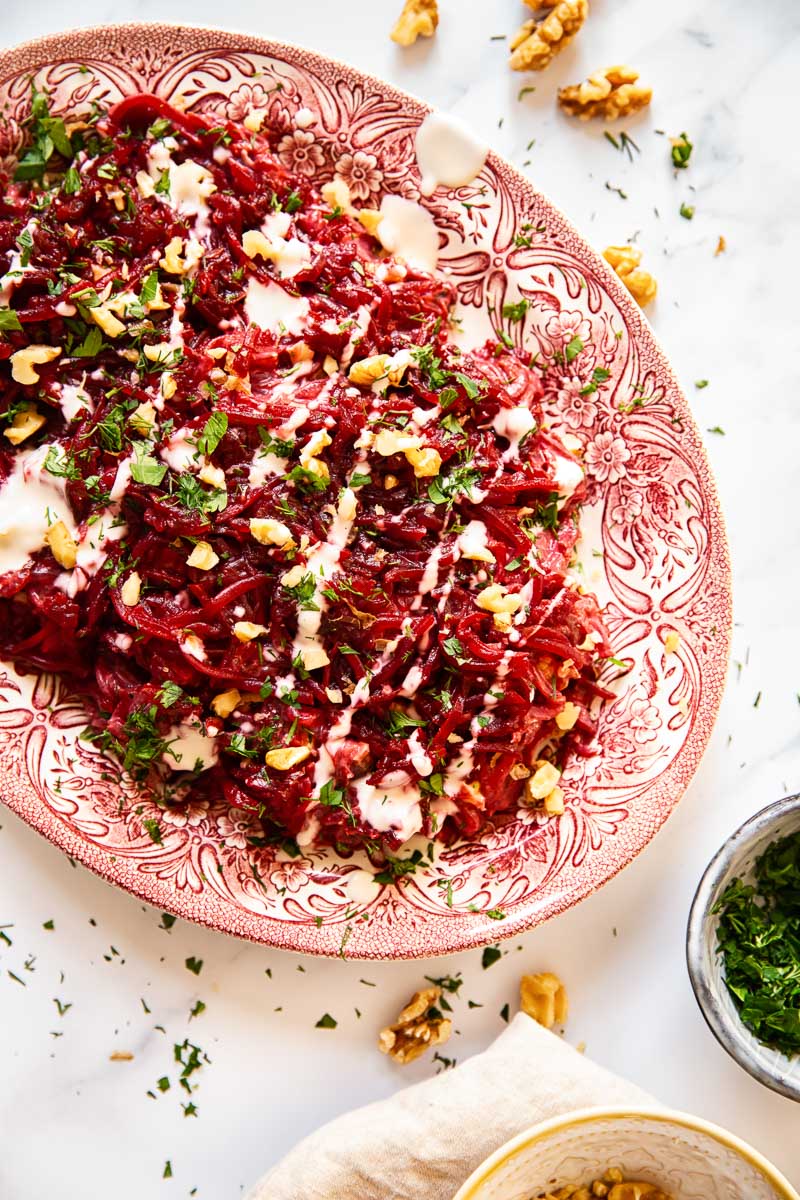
x=699, y=915
x=680, y=771
x=585, y=1116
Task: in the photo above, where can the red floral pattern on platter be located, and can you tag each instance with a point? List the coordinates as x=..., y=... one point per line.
x=653, y=541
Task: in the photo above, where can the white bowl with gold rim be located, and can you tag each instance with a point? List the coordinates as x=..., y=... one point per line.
x=684, y=1156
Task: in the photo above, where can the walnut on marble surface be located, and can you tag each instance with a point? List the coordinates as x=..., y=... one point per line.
x=419, y=1027
x=610, y=93
x=538, y=41
x=625, y=261
x=544, y=998
x=419, y=18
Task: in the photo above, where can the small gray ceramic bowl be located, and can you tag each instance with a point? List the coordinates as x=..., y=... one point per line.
x=735, y=860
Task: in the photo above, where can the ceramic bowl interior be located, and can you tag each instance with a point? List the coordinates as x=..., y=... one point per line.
x=736, y=859
x=684, y=1156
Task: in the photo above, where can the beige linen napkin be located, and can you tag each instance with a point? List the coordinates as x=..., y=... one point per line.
x=427, y=1139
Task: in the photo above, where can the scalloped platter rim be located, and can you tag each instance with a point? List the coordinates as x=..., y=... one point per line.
x=654, y=544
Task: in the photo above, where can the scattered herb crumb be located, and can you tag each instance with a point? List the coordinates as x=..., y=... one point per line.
x=195, y=965
x=326, y=1021
x=681, y=151
x=490, y=956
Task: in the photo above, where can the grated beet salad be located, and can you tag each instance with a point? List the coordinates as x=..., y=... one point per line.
x=291, y=543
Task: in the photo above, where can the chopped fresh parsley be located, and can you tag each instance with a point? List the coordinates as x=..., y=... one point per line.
x=573, y=349
x=445, y=489
x=154, y=829
x=515, y=312
x=162, y=183
x=145, y=469
x=681, y=151
x=599, y=375
x=214, y=431
x=399, y=722
x=48, y=137
x=304, y=592
x=454, y=648
x=759, y=941
x=90, y=345
x=326, y=1021
x=473, y=387
x=169, y=694
x=72, y=182
x=61, y=464
x=9, y=321
x=307, y=481
x=282, y=447
x=192, y=495
x=687, y=211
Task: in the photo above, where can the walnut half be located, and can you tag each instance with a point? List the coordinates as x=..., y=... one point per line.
x=419, y=1027
x=419, y=18
x=538, y=41
x=610, y=93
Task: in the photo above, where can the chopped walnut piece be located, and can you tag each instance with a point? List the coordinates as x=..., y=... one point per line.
x=544, y=998
x=419, y=18
x=612, y=1186
x=425, y=461
x=610, y=93
x=224, y=703
x=24, y=423
x=538, y=41
x=131, y=589
x=544, y=779
x=62, y=545
x=24, y=362
x=286, y=757
x=417, y=1029
x=625, y=261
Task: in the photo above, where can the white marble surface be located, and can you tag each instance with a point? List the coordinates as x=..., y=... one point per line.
x=75, y=1124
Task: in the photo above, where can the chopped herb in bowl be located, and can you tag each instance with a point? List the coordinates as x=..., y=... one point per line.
x=759, y=941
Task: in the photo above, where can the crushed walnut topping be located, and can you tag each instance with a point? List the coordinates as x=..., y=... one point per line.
x=419, y=18
x=538, y=41
x=610, y=93
x=611, y=1186
x=625, y=261
x=419, y=1027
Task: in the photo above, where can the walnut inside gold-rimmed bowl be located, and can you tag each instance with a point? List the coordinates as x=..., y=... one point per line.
x=678, y=1155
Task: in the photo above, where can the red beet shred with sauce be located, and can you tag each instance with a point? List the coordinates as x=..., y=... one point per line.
x=329, y=585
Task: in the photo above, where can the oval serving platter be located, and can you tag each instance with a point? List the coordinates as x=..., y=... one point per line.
x=653, y=540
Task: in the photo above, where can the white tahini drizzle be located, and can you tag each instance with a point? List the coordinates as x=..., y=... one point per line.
x=408, y=230
x=447, y=153
x=191, y=748
x=269, y=307
x=30, y=501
